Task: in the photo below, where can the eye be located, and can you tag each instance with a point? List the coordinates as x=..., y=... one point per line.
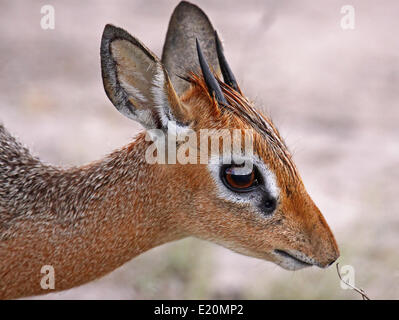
x=240, y=178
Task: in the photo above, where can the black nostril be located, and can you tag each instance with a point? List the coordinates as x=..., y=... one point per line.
x=331, y=262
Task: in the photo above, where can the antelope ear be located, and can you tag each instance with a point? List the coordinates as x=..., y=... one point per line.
x=187, y=23
x=136, y=82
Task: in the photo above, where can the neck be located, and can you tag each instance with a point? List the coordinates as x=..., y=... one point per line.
x=84, y=222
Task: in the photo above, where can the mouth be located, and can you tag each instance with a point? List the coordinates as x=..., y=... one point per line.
x=293, y=260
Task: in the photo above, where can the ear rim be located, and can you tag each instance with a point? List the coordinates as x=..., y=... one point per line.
x=113, y=89
x=160, y=114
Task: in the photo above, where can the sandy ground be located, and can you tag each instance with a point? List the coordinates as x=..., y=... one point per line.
x=333, y=93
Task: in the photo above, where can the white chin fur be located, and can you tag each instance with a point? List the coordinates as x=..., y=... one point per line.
x=291, y=264
x=293, y=260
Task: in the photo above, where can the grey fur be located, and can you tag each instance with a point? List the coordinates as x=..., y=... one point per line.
x=33, y=190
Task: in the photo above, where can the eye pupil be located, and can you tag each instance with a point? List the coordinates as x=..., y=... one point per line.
x=239, y=180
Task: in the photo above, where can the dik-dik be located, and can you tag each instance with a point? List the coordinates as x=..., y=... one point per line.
x=87, y=221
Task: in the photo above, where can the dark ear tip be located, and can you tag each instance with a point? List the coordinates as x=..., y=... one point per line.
x=109, y=26
x=109, y=30
x=187, y=5
x=184, y=3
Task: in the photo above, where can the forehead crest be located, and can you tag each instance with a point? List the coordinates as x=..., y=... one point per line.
x=240, y=107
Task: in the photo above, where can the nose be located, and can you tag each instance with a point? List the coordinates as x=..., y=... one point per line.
x=324, y=248
x=331, y=257
x=332, y=262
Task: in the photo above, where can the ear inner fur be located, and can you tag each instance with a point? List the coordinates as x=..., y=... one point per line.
x=136, y=82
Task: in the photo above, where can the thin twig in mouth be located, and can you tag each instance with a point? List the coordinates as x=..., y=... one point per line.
x=360, y=291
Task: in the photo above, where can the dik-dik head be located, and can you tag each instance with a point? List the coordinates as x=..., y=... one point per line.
x=256, y=204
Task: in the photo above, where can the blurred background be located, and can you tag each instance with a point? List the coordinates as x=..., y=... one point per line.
x=333, y=93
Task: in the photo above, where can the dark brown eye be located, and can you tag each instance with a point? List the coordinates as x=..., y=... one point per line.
x=239, y=178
